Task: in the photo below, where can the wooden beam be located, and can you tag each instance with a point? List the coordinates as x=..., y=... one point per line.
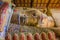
x=39, y=1
x=44, y=1
x=48, y=4
x=52, y=1
x=31, y=3
x=20, y=3
x=52, y=5
x=24, y=3
x=57, y=3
